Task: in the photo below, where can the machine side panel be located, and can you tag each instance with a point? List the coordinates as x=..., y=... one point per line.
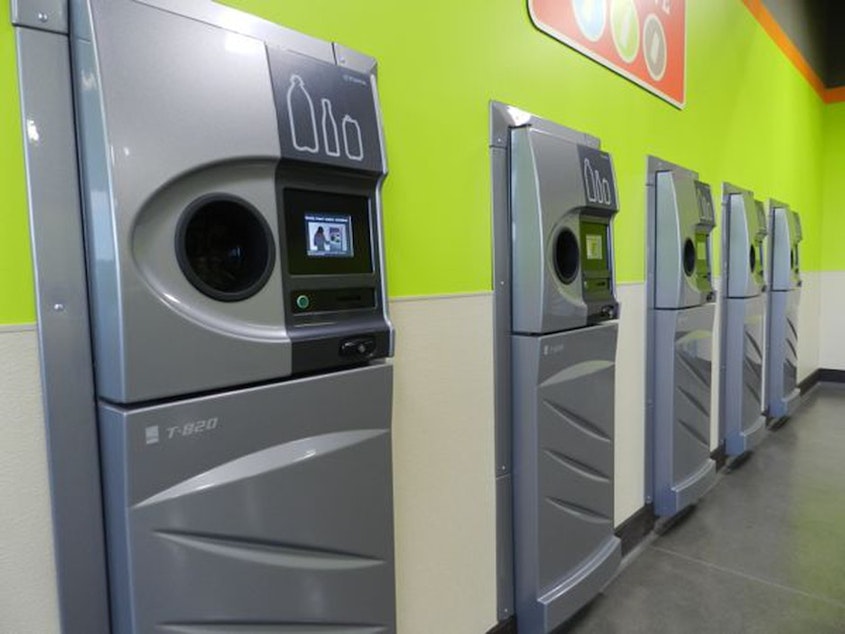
x=564, y=428
x=63, y=327
x=683, y=468
x=270, y=505
x=668, y=238
x=502, y=380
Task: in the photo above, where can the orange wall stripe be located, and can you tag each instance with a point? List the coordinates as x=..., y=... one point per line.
x=793, y=54
x=835, y=95
x=770, y=25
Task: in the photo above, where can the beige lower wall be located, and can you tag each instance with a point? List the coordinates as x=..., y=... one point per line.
x=28, y=601
x=629, y=447
x=831, y=318
x=812, y=339
x=443, y=465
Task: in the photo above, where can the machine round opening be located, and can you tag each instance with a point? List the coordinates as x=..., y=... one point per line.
x=689, y=257
x=567, y=256
x=225, y=248
x=752, y=258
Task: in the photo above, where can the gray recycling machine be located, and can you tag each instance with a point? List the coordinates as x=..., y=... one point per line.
x=231, y=171
x=743, y=307
x=681, y=308
x=782, y=393
x=558, y=323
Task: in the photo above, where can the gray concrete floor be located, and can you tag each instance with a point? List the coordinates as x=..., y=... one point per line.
x=764, y=551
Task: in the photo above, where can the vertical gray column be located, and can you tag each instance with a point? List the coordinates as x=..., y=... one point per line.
x=502, y=371
x=52, y=184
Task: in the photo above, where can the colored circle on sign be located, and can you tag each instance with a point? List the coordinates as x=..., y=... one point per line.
x=591, y=16
x=625, y=27
x=655, y=47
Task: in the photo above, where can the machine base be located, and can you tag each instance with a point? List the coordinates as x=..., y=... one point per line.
x=737, y=462
x=563, y=601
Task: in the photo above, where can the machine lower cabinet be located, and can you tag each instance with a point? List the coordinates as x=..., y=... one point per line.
x=742, y=381
x=263, y=509
x=683, y=469
x=783, y=348
x=565, y=547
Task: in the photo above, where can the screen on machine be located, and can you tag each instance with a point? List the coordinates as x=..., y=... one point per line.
x=701, y=248
x=329, y=235
x=594, y=240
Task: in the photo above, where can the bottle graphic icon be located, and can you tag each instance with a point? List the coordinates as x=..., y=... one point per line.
x=331, y=139
x=589, y=181
x=303, y=121
x=352, y=142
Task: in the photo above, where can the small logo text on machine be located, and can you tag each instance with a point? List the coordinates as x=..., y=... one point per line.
x=193, y=428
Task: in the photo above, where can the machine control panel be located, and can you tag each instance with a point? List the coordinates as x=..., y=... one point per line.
x=795, y=259
x=334, y=294
x=327, y=186
x=707, y=220
x=597, y=274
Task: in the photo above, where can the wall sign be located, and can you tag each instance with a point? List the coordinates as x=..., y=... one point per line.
x=642, y=40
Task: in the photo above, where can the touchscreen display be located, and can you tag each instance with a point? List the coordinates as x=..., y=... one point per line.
x=701, y=248
x=595, y=247
x=329, y=235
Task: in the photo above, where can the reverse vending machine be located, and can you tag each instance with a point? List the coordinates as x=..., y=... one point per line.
x=562, y=331
x=782, y=393
x=743, y=306
x=681, y=310
x=231, y=171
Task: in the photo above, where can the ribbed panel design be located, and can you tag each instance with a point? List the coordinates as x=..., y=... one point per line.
x=578, y=422
x=563, y=403
x=269, y=553
x=273, y=458
x=692, y=406
x=576, y=466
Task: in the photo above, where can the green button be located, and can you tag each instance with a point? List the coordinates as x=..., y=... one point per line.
x=303, y=302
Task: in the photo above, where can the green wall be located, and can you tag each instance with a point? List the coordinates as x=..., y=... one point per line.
x=833, y=220
x=17, y=300
x=750, y=119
